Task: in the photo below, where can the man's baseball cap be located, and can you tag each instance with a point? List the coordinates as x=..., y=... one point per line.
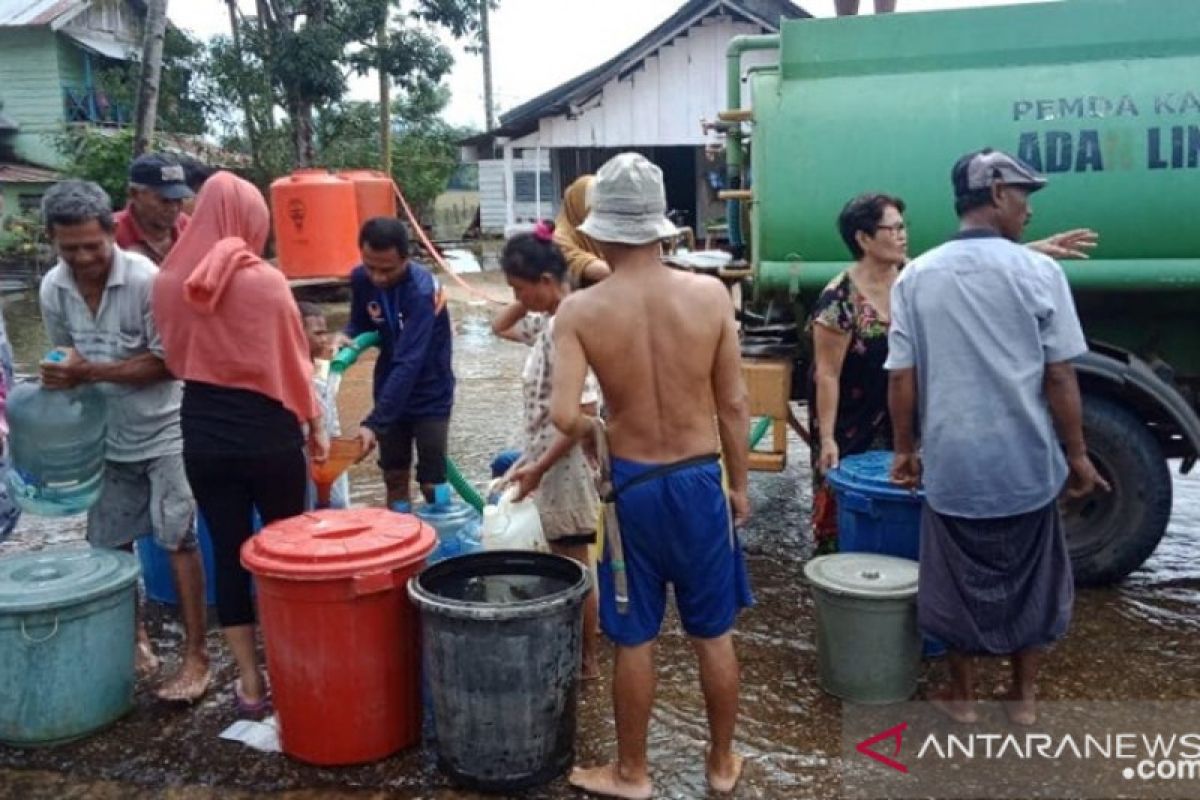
x=977, y=171
x=163, y=175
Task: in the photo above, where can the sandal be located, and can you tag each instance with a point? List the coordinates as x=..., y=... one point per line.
x=251, y=708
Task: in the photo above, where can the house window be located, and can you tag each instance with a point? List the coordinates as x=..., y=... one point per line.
x=525, y=191
x=29, y=204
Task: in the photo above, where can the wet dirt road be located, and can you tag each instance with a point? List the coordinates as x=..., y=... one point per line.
x=1140, y=640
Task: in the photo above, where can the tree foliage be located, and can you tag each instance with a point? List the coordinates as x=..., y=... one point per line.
x=103, y=156
x=306, y=51
x=185, y=100
x=425, y=153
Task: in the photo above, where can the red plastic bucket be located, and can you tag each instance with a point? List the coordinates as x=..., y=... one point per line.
x=342, y=637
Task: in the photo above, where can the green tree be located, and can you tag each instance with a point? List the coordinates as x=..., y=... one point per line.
x=425, y=154
x=306, y=50
x=100, y=155
x=185, y=96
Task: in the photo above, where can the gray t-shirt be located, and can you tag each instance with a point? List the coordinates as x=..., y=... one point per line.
x=979, y=318
x=143, y=421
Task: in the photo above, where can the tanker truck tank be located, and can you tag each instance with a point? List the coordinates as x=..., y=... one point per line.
x=1103, y=96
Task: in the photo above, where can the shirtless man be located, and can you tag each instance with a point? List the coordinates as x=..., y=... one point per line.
x=664, y=346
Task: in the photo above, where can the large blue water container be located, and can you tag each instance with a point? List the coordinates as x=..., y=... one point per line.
x=456, y=523
x=66, y=643
x=877, y=516
x=157, y=577
x=56, y=439
x=874, y=515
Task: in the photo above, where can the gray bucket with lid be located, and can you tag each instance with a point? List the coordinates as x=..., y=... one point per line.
x=66, y=643
x=868, y=645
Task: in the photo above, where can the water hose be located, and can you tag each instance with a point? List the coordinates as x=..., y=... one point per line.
x=343, y=361
x=759, y=431
x=415, y=224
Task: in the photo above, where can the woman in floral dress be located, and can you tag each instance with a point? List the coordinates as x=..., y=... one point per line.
x=849, y=327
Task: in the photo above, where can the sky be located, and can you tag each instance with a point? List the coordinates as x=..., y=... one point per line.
x=537, y=44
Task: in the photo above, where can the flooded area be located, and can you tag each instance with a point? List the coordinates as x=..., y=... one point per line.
x=1140, y=640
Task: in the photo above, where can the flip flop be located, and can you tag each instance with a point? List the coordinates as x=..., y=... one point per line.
x=251, y=708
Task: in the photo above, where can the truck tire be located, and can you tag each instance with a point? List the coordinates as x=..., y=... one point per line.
x=1110, y=535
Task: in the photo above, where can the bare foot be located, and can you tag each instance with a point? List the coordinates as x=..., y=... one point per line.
x=723, y=778
x=961, y=711
x=144, y=660
x=605, y=781
x=188, y=684
x=1020, y=710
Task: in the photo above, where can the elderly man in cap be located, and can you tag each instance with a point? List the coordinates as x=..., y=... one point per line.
x=153, y=219
x=983, y=332
x=664, y=346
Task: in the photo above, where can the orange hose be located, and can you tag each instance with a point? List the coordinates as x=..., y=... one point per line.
x=437, y=256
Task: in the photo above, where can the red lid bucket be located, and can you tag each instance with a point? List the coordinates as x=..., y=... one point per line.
x=342, y=637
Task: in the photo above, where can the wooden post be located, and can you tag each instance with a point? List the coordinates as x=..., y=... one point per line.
x=385, y=103
x=147, y=98
x=486, y=50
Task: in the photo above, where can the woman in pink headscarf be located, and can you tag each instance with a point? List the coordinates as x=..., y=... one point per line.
x=232, y=333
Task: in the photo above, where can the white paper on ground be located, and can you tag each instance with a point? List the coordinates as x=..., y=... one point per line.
x=262, y=736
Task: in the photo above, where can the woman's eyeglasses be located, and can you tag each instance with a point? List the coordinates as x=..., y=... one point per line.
x=898, y=228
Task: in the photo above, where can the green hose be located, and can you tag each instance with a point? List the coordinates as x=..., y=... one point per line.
x=759, y=431
x=463, y=486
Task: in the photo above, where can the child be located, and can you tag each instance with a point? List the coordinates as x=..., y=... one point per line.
x=550, y=463
x=320, y=348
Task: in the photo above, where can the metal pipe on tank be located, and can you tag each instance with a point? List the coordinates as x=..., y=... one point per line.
x=734, y=157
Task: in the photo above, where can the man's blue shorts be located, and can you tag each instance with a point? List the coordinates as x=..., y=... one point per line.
x=675, y=528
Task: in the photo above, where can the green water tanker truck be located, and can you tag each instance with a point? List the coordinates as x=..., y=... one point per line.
x=1103, y=96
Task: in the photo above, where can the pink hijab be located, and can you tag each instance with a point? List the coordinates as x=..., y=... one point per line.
x=227, y=317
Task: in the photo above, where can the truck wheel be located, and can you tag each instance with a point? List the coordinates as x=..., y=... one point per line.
x=1110, y=535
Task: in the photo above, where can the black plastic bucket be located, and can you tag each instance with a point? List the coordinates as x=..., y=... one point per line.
x=501, y=643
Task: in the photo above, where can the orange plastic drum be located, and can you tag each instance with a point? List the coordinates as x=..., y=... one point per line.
x=375, y=192
x=316, y=224
x=342, y=637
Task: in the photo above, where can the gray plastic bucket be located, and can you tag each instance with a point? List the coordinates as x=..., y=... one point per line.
x=501, y=646
x=868, y=645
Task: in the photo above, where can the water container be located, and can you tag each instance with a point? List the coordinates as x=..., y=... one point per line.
x=456, y=523
x=877, y=516
x=874, y=514
x=374, y=191
x=66, y=643
x=56, y=441
x=340, y=633
x=315, y=218
x=868, y=647
x=157, y=576
x=512, y=525
x=500, y=639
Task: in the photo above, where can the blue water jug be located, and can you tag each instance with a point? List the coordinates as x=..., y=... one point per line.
x=56, y=441
x=456, y=523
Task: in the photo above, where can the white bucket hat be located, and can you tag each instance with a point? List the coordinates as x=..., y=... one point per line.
x=627, y=203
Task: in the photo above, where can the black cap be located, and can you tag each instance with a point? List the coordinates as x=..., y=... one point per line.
x=979, y=170
x=164, y=175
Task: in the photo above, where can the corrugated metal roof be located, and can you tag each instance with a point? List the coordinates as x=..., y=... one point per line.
x=33, y=13
x=26, y=173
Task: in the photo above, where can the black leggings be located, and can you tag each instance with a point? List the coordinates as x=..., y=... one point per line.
x=227, y=490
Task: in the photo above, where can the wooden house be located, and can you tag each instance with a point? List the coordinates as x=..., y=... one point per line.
x=651, y=97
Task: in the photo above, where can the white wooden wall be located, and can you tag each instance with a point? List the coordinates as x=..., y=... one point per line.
x=493, y=194
x=663, y=101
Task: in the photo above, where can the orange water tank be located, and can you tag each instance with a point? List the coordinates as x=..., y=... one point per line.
x=316, y=224
x=375, y=191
